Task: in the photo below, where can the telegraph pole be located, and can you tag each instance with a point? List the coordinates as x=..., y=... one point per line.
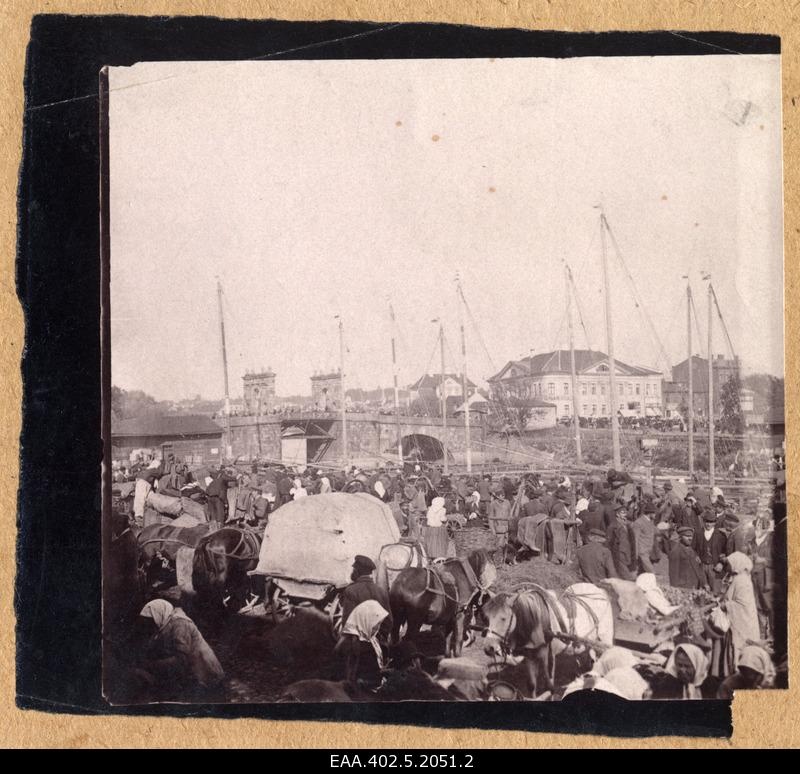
x=711, y=460
x=396, y=389
x=464, y=391
x=690, y=361
x=345, y=454
x=612, y=365
x=573, y=375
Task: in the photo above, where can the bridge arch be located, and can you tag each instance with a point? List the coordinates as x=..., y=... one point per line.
x=426, y=448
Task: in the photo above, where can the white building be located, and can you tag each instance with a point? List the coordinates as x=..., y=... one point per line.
x=547, y=377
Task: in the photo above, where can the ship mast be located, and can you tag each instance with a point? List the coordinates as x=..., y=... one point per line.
x=228, y=447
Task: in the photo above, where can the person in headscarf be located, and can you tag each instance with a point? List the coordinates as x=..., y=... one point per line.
x=436, y=539
x=686, y=672
x=325, y=485
x=754, y=670
x=177, y=660
x=613, y=673
x=359, y=644
x=364, y=588
x=380, y=490
x=613, y=658
x=298, y=490
x=739, y=603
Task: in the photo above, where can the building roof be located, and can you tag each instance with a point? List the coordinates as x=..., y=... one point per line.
x=165, y=426
x=332, y=375
x=432, y=381
x=558, y=362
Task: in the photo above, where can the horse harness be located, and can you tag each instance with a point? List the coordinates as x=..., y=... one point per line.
x=570, y=600
x=472, y=579
x=247, y=549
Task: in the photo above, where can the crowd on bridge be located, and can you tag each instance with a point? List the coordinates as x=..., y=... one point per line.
x=606, y=528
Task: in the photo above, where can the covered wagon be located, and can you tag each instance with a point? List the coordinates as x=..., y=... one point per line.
x=309, y=545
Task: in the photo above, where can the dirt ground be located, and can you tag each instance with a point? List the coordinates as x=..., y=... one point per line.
x=262, y=658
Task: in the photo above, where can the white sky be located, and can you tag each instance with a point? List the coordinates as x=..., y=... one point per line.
x=315, y=188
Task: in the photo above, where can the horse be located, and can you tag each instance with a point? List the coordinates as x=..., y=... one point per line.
x=220, y=566
x=535, y=622
x=158, y=546
x=440, y=596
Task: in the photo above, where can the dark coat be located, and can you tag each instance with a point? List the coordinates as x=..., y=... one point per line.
x=685, y=569
x=360, y=590
x=712, y=550
x=595, y=562
x=621, y=543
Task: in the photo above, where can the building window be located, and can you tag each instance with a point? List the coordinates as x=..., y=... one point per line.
x=566, y=388
x=594, y=388
x=583, y=391
x=655, y=389
x=566, y=409
x=647, y=389
x=630, y=389
x=602, y=389
x=551, y=389
x=621, y=406
x=594, y=409
x=603, y=408
x=638, y=390
x=584, y=408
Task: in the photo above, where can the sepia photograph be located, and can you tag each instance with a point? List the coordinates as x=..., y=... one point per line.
x=445, y=380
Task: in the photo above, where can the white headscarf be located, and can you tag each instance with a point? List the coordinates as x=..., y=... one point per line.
x=159, y=610
x=379, y=489
x=364, y=622
x=613, y=658
x=325, y=485
x=701, y=665
x=739, y=563
x=628, y=683
x=437, y=515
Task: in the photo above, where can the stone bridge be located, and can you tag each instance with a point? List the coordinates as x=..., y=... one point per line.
x=317, y=437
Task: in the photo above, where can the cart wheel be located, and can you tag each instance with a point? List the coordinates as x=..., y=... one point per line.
x=281, y=605
x=452, y=528
x=335, y=615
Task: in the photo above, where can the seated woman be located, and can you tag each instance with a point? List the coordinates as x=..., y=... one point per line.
x=177, y=664
x=686, y=675
x=755, y=670
x=359, y=644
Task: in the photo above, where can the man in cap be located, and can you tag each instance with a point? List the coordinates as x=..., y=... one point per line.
x=712, y=546
x=622, y=544
x=648, y=550
x=739, y=535
x=685, y=569
x=595, y=561
x=363, y=588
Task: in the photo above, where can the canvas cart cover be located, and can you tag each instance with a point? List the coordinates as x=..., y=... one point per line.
x=315, y=538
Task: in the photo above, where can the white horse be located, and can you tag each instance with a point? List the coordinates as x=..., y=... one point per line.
x=539, y=624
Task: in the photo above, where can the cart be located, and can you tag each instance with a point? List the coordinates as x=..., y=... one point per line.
x=309, y=545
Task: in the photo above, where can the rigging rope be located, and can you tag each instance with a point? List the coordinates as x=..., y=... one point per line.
x=640, y=305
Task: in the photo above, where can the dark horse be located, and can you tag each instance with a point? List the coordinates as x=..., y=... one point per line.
x=440, y=596
x=221, y=563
